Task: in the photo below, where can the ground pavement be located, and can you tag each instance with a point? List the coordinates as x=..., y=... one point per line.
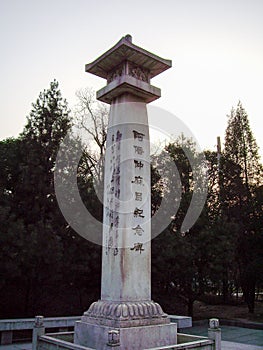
x=234, y=338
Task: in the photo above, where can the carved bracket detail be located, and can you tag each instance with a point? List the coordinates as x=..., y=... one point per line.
x=128, y=68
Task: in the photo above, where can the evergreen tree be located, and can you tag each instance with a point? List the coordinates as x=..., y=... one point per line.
x=241, y=147
x=35, y=222
x=47, y=125
x=241, y=177
x=180, y=259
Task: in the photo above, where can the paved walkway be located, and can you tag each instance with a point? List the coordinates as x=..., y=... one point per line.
x=233, y=338
x=17, y=346
x=226, y=345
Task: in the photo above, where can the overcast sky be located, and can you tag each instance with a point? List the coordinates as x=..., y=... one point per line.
x=216, y=48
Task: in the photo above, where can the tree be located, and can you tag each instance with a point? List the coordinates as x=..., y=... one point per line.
x=241, y=147
x=92, y=118
x=33, y=234
x=180, y=258
x=47, y=125
x=242, y=176
x=12, y=228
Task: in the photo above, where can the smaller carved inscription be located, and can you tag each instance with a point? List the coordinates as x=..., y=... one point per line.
x=117, y=221
x=117, y=193
x=110, y=242
x=118, y=178
x=118, y=136
x=110, y=213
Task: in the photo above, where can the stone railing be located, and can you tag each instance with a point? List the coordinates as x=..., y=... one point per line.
x=7, y=327
x=54, y=343
x=64, y=341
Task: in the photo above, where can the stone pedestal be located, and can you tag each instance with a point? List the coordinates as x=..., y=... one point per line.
x=125, y=338
x=126, y=317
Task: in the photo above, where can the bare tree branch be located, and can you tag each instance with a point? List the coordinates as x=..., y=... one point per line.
x=91, y=116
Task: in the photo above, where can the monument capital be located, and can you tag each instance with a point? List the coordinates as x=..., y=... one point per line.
x=128, y=69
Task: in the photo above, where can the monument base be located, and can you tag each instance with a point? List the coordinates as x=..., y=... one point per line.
x=125, y=325
x=143, y=337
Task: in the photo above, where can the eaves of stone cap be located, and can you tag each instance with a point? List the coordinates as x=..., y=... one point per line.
x=125, y=50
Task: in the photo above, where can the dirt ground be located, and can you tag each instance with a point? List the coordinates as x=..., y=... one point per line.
x=202, y=311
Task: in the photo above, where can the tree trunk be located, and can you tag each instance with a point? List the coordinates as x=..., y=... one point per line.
x=249, y=289
x=225, y=286
x=190, y=307
x=251, y=298
x=28, y=293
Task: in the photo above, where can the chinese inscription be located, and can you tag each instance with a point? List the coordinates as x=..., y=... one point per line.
x=138, y=247
x=138, y=164
x=138, y=213
x=138, y=149
x=137, y=180
x=138, y=230
x=138, y=135
x=114, y=194
x=138, y=196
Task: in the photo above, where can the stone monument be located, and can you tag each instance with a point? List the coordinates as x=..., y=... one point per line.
x=125, y=317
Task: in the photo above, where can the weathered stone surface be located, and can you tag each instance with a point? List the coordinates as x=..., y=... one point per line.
x=214, y=332
x=126, y=316
x=126, y=253
x=144, y=337
x=182, y=321
x=125, y=83
x=125, y=50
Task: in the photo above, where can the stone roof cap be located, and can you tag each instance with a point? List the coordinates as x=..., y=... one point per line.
x=125, y=50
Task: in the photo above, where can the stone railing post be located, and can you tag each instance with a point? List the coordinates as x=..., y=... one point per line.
x=38, y=330
x=214, y=332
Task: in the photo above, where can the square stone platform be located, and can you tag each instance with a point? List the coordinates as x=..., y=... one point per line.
x=142, y=337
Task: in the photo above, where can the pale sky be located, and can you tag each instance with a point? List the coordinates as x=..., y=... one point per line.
x=216, y=48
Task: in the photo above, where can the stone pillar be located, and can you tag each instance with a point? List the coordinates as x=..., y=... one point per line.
x=38, y=330
x=126, y=264
x=125, y=316
x=214, y=332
